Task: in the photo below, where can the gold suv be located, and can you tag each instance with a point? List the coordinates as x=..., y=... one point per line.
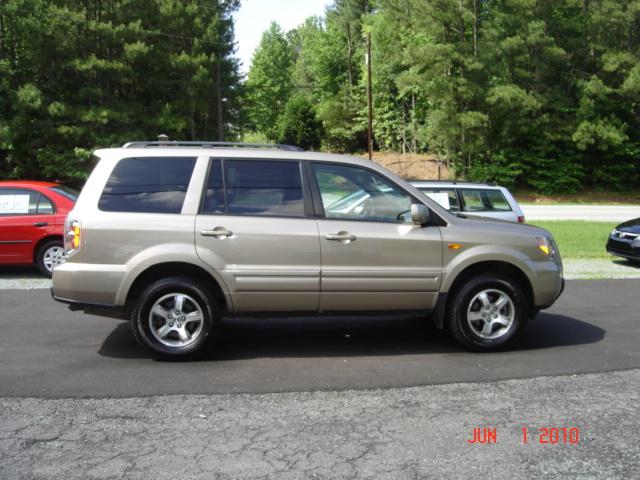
x=176, y=235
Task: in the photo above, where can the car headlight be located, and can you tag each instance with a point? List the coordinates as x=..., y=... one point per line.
x=545, y=245
x=636, y=242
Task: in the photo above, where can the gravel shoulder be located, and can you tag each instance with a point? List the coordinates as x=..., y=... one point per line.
x=407, y=433
x=595, y=269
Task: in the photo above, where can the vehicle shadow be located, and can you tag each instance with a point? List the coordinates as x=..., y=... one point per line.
x=627, y=263
x=245, y=338
x=20, y=272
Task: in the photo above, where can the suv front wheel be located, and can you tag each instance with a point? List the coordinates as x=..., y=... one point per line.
x=487, y=312
x=175, y=318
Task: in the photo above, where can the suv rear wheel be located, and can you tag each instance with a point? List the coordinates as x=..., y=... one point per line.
x=487, y=312
x=175, y=318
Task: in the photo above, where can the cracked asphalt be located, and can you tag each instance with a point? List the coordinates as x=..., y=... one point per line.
x=321, y=398
x=408, y=433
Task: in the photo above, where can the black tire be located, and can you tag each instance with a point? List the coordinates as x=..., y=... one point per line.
x=42, y=252
x=195, y=294
x=463, y=300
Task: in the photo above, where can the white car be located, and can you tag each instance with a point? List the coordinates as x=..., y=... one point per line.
x=474, y=199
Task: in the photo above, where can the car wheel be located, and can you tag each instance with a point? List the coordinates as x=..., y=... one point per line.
x=488, y=312
x=50, y=255
x=175, y=318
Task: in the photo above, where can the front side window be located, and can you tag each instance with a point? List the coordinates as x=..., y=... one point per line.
x=148, y=185
x=353, y=193
x=261, y=187
x=480, y=200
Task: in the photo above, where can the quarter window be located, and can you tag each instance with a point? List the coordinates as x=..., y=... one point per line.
x=148, y=184
x=352, y=193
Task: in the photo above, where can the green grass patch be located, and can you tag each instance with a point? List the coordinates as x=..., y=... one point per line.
x=579, y=239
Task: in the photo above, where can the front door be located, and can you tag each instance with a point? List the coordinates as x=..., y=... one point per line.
x=254, y=230
x=373, y=258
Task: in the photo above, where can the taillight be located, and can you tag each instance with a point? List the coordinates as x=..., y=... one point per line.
x=520, y=218
x=73, y=233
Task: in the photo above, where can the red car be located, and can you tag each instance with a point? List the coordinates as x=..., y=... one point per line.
x=32, y=218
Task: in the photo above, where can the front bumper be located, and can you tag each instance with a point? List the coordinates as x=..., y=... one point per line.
x=621, y=247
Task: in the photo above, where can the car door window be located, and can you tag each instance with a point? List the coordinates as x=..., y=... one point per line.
x=16, y=201
x=478, y=200
x=446, y=197
x=353, y=193
x=261, y=187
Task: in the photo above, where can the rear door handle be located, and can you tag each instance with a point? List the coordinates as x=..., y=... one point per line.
x=41, y=224
x=217, y=232
x=342, y=237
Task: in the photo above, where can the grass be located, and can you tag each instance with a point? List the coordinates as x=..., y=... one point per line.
x=586, y=198
x=579, y=239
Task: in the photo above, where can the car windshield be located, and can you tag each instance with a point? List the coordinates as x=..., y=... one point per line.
x=67, y=192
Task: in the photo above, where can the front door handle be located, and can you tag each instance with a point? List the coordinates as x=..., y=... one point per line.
x=342, y=237
x=41, y=224
x=217, y=232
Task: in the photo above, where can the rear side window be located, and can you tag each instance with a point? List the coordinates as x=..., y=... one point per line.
x=148, y=185
x=444, y=196
x=477, y=200
x=24, y=202
x=255, y=187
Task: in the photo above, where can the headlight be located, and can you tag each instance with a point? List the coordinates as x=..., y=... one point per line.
x=546, y=246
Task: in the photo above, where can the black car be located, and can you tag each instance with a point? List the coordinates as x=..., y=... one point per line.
x=624, y=241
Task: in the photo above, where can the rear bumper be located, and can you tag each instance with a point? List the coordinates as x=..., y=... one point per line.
x=103, y=310
x=90, y=284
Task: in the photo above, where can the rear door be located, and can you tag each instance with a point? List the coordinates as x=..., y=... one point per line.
x=372, y=258
x=26, y=216
x=257, y=231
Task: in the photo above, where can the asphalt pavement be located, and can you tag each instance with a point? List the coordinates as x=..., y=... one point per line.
x=396, y=434
x=598, y=213
x=47, y=351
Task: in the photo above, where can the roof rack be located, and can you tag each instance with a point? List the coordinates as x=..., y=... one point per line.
x=174, y=143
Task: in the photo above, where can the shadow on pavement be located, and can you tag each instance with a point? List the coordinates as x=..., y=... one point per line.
x=627, y=263
x=245, y=338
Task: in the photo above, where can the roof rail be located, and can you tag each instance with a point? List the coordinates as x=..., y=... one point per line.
x=454, y=182
x=174, y=143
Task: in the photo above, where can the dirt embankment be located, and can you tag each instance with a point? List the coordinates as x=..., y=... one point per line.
x=411, y=165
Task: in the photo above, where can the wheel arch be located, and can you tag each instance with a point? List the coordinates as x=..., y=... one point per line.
x=173, y=269
x=41, y=242
x=498, y=267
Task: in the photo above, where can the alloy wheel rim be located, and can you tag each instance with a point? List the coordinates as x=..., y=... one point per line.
x=491, y=314
x=53, y=257
x=176, y=320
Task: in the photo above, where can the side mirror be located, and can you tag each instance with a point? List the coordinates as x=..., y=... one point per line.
x=420, y=214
